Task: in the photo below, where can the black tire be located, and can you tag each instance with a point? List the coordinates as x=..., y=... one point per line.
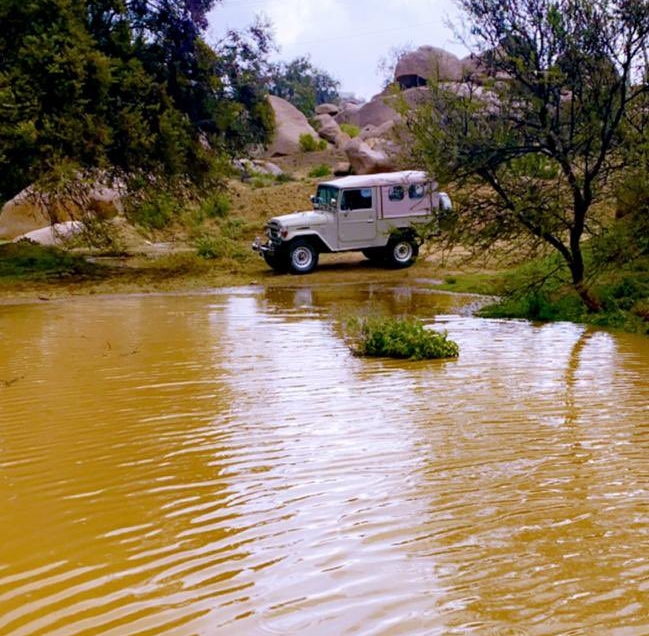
x=374, y=254
x=277, y=261
x=302, y=257
x=401, y=251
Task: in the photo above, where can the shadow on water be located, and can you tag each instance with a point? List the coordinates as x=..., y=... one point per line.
x=221, y=464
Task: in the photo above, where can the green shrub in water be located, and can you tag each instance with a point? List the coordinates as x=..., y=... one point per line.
x=397, y=338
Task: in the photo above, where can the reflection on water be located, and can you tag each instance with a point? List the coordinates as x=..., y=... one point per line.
x=221, y=464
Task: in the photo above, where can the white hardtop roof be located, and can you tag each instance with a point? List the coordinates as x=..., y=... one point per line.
x=402, y=177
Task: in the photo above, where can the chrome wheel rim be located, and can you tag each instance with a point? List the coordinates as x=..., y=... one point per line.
x=402, y=252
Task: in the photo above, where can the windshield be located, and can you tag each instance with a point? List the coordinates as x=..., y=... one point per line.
x=326, y=198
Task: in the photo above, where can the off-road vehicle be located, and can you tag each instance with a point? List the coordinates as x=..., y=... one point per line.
x=385, y=216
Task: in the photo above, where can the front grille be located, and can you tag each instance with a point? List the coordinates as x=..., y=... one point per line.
x=272, y=232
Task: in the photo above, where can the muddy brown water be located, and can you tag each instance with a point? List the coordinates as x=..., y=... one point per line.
x=219, y=463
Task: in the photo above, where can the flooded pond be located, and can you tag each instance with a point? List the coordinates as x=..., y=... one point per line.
x=220, y=464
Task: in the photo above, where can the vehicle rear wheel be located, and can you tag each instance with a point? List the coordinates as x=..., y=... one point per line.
x=302, y=256
x=374, y=253
x=402, y=251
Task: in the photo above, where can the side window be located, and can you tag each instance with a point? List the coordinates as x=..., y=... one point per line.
x=395, y=193
x=360, y=199
x=416, y=191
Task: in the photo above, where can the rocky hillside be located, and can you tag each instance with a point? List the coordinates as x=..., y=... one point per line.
x=371, y=147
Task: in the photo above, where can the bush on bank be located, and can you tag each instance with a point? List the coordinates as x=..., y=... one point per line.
x=30, y=261
x=403, y=338
x=540, y=291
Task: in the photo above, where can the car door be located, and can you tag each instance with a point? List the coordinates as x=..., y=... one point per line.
x=357, y=215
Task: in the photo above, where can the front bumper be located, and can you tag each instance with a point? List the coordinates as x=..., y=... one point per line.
x=262, y=248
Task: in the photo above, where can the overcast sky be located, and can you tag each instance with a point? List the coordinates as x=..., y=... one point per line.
x=345, y=38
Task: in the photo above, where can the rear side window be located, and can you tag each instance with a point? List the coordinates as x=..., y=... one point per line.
x=356, y=199
x=416, y=191
x=395, y=193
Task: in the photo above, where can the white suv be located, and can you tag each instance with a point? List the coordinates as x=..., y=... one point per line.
x=381, y=215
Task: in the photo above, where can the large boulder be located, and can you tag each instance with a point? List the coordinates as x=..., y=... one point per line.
x=348, y=113
x=290, y=123
x=24, y=213
x=382, y=132
x=56, y=234
x=427, y=63
x=327, y=109
x=376, y=112
x=31, y=210
x=327, y=127
x=364, y=159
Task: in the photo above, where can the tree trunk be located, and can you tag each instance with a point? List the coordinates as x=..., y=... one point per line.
x=581, y=204
x=592, y=303
x=577, y=270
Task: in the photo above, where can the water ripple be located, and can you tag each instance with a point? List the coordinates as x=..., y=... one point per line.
x=225, y=466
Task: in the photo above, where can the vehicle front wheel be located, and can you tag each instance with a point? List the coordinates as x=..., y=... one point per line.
x=402, y=251
x=302, y=257
x=277, y=261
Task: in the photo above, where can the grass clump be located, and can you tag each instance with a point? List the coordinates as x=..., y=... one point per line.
x=308, y=143
x=350, y=129
x=155, y=212
x=319, y=171
x=215, y=206
x=403, y=338
x=27, y=260
x=224, y=242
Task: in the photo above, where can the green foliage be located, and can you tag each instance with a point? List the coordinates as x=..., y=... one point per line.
x=302, y=84
x=155, y=212
x=541, y=291
x=539, y=152
x=319, y=171
x=127, y=86
x=224, y=243
x=350, y=129
x=397, y=338
x=260, y=180
x=25, y=259
x=216, y=205
x=308, y=143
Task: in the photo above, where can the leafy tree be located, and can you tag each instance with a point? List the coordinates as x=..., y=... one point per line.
x=302, y=84
x=540, y=130
x=126, y=85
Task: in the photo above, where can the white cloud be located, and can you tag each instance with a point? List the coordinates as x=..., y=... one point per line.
x=298, y=21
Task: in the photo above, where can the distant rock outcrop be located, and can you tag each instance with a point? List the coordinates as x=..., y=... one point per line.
x=290, y=123
x=425, y=63
x=377, y=148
